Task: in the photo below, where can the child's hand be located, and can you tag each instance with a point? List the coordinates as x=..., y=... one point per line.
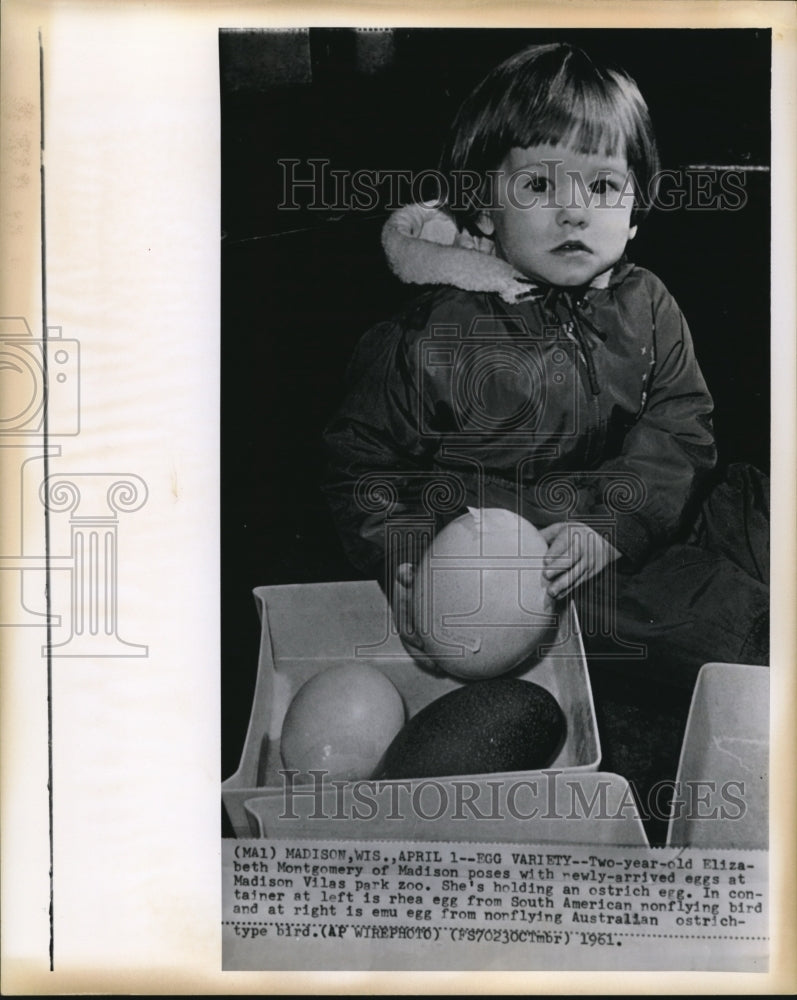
x=403, y=613
x=576, y=553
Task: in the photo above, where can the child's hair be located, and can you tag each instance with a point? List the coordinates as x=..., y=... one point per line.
x=547, y=94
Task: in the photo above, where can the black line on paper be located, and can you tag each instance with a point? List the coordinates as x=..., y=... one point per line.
x=48, y=596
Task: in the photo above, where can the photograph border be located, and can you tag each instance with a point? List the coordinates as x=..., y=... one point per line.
x=157, y=875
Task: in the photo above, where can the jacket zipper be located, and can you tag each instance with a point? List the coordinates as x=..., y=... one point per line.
x=588, y=379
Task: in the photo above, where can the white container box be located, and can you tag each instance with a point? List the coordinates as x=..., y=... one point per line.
x=726, y=745
x=307, y=628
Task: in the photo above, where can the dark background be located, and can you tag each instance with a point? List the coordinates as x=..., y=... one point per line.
x=300, y=287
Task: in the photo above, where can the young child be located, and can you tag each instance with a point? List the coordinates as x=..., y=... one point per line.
x=542, y=372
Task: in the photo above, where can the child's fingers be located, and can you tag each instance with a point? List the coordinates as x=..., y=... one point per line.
x=403, y=610
x=550, y=531
x=562, y=586
x=416, y=651
x=563, y=553
x=583, y=569
x=404, y=616
x=571, y=569
x=559, y=545
x=405, y=573
x=555, y=568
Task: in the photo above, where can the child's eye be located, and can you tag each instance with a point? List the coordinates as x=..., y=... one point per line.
x=604, y=184
x=536, y=183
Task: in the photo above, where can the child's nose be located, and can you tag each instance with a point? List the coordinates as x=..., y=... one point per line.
x=574, y=204
x=572, y=213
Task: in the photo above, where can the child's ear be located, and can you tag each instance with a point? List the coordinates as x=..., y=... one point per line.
x=632, y=232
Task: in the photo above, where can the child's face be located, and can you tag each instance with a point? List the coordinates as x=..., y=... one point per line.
x=563, y=217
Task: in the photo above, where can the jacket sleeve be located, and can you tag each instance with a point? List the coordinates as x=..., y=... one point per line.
x=651, y=487
x=377, y=449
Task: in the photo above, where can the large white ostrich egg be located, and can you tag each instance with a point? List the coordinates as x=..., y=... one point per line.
x=480, y=603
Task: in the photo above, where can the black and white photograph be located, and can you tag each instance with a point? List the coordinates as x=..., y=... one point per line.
x=398, y=456
x=495, y=343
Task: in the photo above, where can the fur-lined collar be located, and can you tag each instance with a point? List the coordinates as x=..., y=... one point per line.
x=423, y=246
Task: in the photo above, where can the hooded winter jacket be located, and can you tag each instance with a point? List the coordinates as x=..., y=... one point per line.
x=488, y=390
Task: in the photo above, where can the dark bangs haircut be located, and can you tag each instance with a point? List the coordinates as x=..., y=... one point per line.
x=546, y=94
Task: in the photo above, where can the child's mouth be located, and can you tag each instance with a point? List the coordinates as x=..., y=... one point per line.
x=571, y=247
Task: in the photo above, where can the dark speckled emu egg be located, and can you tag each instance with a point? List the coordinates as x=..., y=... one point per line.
x=501, y=724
